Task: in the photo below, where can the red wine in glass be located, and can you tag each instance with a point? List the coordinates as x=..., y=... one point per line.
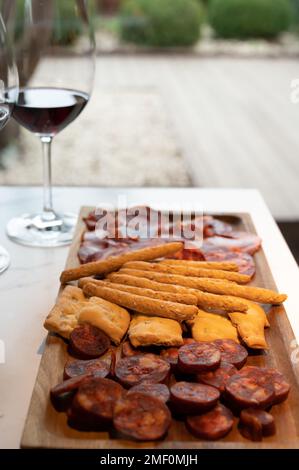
x=55, y=50
x=46, y=111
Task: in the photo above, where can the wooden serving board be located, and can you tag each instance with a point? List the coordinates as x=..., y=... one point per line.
x=46, y=428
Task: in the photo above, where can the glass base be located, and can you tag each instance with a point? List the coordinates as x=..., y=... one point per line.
x=4, y=259
x=35, y=230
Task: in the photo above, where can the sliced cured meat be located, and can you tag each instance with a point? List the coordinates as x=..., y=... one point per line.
x=219, y=377
x=249, y=388
x=198, y=357
x=212, y=425
x=62, y=394
x=96, y=367
x=171, y=355
x=160, y=391
x=148, y=368
x=127, y=350
x=281, y=386
x=244, y=261
x=141, y=417
x=232, y=352
x=238, y=241
x=213, y=226
x=88, y=342
x=192, y=398
x=69, y=385
x=95, y=400
x=255, y=424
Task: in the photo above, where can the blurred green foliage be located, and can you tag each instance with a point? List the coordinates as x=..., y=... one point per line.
x=244, y=19
x=161, y=23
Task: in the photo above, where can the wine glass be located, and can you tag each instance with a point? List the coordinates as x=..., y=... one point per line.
x=55, y=48
x=8, y=82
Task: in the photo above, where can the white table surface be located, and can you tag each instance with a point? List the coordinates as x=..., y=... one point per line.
x=29, y=287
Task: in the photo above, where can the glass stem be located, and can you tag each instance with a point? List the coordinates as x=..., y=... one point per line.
x=48, y=211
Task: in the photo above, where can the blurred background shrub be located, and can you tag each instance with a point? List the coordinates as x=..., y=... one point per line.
x=161, y=23
x=244, y=19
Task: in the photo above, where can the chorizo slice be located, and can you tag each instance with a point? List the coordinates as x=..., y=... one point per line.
x=281, y=386
x=232, y=352
x=160, y=391
x=255, y=424
x=198, y=357
x=192, y=398
x=95, y=400
x=248, y=388
x=219, y=377
x=212, y=425
x=62, y=394
x=141, y=417
x=127, y=350
x=149, y=368
x=96, y=367
x=88, y=342
x=171, y=355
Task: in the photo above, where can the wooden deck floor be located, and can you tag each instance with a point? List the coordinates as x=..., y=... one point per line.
x=236, y=123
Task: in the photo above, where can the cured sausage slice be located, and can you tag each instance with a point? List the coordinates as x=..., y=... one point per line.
x=281, y=386
x=68, y=386
x=127, y=350
x=171, y=355
x=96, y=367
x=62, y=394
x=212, y=425
x=255, y=424
x=95, y=400
x=249, y=388
x=192, y=398
x=148, y=368
x=88, y=342
x=160, y=391
x=141, y=417
x=198, y=357
x=219, y=377
x=232, y=352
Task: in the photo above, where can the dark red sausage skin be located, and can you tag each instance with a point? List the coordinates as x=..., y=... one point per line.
x=141, y=417
x=255, y=424
x=192, y=398
x=219, y=377
x=198, y=357
x=62, y=394
x=149, y=368
x=248, y=388
x=160, y=391
x=88, y=342
x=231, y=352
x=97, y=367
x=95, y=400
x=212, y=425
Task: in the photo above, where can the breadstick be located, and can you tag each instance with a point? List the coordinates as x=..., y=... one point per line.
x=223, y=265
x=115, y=262
x=188, y=271
x=188, y=299
x=141, y=304
x=204, y=299
x=214, y=286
